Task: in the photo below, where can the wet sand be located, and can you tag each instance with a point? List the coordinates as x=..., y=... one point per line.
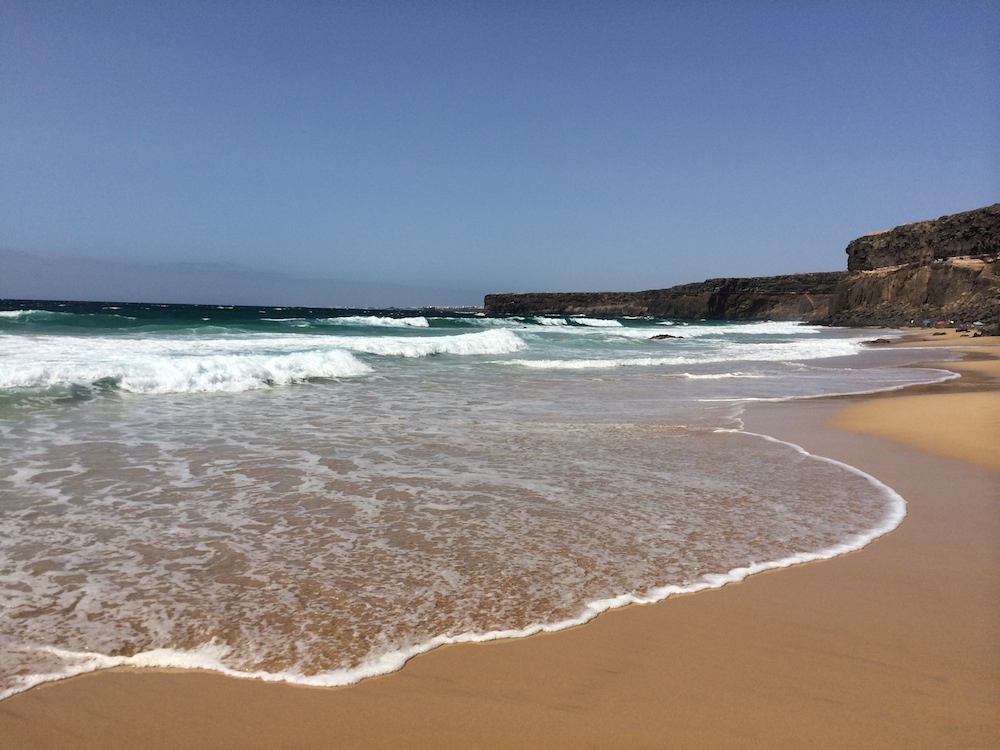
x=897, y=645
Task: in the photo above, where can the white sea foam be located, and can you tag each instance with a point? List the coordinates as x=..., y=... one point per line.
x=196, y=365
x=375, y=320
x=762, y=328
x=597, y=322
x=595, y=363
x=49, y=316
x=487, y=322
x=683, y=354
x=548, y=321
x=917, y=376
x=489, y=342
x=718, y=375
x=152, y=366
x=217, y=373
x=214, y=656
x=40, y=315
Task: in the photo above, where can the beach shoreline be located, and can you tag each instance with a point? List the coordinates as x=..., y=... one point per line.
x=894, y=645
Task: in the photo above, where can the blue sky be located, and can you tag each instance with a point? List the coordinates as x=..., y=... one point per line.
x=468, y=147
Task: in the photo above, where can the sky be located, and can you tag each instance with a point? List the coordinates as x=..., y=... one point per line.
x=430, y=152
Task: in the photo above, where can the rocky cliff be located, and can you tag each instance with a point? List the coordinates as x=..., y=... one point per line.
x=946, y=268
x=793, y=297
x=968, y=234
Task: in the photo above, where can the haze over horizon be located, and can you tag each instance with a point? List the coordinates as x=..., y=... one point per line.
x=379, y=154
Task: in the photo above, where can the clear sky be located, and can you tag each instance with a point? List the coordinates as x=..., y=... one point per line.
x=485, y=146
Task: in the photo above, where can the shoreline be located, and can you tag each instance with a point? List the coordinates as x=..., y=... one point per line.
x=892, y=645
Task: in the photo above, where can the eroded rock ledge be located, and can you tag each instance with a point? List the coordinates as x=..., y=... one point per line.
x=970, y=234
x=946, y=268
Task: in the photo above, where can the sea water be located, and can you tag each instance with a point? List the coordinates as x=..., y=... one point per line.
x=315, y=495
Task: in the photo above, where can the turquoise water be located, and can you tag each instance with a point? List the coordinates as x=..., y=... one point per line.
x=315, y=495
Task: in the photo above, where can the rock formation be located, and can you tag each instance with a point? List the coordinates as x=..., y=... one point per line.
x=941, y=269
x=945, y=268
x=794, y=297
x=968, y=234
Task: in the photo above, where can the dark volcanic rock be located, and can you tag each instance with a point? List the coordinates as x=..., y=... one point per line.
x=969, y=234
x=794, y=297
x=959, y=289
x=941, y=269
x=944, y=269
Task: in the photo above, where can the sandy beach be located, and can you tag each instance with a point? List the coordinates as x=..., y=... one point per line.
x=897, y=645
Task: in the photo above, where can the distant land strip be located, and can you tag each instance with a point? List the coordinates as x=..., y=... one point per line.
x=792, y=297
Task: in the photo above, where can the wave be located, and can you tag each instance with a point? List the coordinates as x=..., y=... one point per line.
x=486, y=322
x=762, y=328
x=935, y=376
x=38, y=315
x=644, y=329
x=593, y=364
x=596, y=322
x=789, y=351
x=418, y=322
x=204, y=365
x=375, y=320
x=56, y=316
x=211, y=656
x=717, y=375
x=490, y=342
x=544, y=321
x=202, y=374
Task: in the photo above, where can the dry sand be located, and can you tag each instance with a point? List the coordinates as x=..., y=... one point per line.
x=895, y=646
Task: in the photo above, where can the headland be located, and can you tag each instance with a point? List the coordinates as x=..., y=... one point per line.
x=942, y=269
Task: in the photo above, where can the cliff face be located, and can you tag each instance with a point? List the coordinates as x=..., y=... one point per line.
x=793, y=297
x=971, y=233
x=945, y=268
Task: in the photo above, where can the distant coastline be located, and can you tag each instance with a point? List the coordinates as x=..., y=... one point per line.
x=793, y=297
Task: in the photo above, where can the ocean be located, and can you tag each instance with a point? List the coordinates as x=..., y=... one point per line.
x=316, y=495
